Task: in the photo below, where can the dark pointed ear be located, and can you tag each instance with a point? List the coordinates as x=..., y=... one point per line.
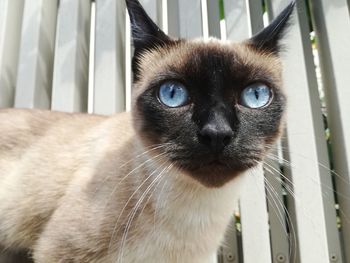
x=146, y=34
x=268, y=39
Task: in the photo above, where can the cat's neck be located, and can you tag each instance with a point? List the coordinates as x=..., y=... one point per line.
x=175, y=187
x=183, y=211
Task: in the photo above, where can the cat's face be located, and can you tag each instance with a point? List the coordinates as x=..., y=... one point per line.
x=214, y=106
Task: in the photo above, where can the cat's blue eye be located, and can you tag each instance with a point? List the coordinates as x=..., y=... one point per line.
x=256, y=96
x=173, y=94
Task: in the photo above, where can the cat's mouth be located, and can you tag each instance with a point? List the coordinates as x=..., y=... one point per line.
x=216, y=163
x=216, y=171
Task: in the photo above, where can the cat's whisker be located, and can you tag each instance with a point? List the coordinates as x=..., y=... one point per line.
x=134, y=210
x=133, y=159
x=154, y=190
x=287, y=217
x=160, y=194
x=276, y=204
x=293, y=246
x=290, y=183
x=290, y=191
x=155, y=158
x=285, y=149
x=150, y=196
x=324, y=194
x=151, y=148
x=128, y=201
x=323, y=185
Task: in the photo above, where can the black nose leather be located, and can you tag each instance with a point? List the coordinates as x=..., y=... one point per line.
x=216, y=135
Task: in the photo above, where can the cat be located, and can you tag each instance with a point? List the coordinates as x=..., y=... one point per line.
x=158, y=184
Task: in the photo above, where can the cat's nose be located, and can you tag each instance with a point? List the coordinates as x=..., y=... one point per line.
x=216, y=135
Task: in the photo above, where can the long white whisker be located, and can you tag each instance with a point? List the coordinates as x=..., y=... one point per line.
x=159, y=146
x=135, y=210
x=293, y=244
x=133, y=159
x=128, y=201
x=285, y=149
x=344, y=215
x=282, y=175
x=159, y=156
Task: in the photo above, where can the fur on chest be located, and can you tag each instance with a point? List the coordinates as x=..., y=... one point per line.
x=187, y=223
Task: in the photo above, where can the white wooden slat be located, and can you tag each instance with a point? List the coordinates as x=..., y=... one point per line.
x=255, y=227
x=34, y=77
x=185, y=18
x=11, y=12
x=162, y=15
x=128, y=60
x=290, y=202
x=109, y=86
x=278, y=229
x=204, y=15
x=153, y=8
x=333, y=238
x=305, y=134
x=237, y=20
x=277, y=214
x=70, y=78
x=332, y=26
x=214, y=18
x=91, y=72
x=255, y=16
x=229, y=251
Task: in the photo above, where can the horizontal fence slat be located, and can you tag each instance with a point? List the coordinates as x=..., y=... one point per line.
x=70, y=78
x=11, y=12
x=332, y=26
x=306, y=141
x=35, y=68
x=109, y=84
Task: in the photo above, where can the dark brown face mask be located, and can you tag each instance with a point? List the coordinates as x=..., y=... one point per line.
x=215, y=105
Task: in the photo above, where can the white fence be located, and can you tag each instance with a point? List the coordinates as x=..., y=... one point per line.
x=74, y=55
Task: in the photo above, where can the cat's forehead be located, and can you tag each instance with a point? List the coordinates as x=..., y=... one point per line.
x=199, y=57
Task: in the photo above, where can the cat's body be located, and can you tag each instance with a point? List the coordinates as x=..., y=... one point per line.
x=69, y=164
x=155, y=185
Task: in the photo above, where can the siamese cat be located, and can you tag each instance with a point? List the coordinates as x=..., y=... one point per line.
x=158, y=184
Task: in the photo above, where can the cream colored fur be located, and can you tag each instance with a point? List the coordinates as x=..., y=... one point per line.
x=62, y=193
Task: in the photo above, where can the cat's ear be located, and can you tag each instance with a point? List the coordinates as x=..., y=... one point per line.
x=145, y=33
x=268, y=39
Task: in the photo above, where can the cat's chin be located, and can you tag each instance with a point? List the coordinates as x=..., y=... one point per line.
x=215, y=174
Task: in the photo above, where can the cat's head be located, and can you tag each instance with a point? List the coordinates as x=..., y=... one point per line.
x=215, y=107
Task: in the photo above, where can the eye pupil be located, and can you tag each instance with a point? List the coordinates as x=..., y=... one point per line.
x=256, y=96
x=173, y=94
